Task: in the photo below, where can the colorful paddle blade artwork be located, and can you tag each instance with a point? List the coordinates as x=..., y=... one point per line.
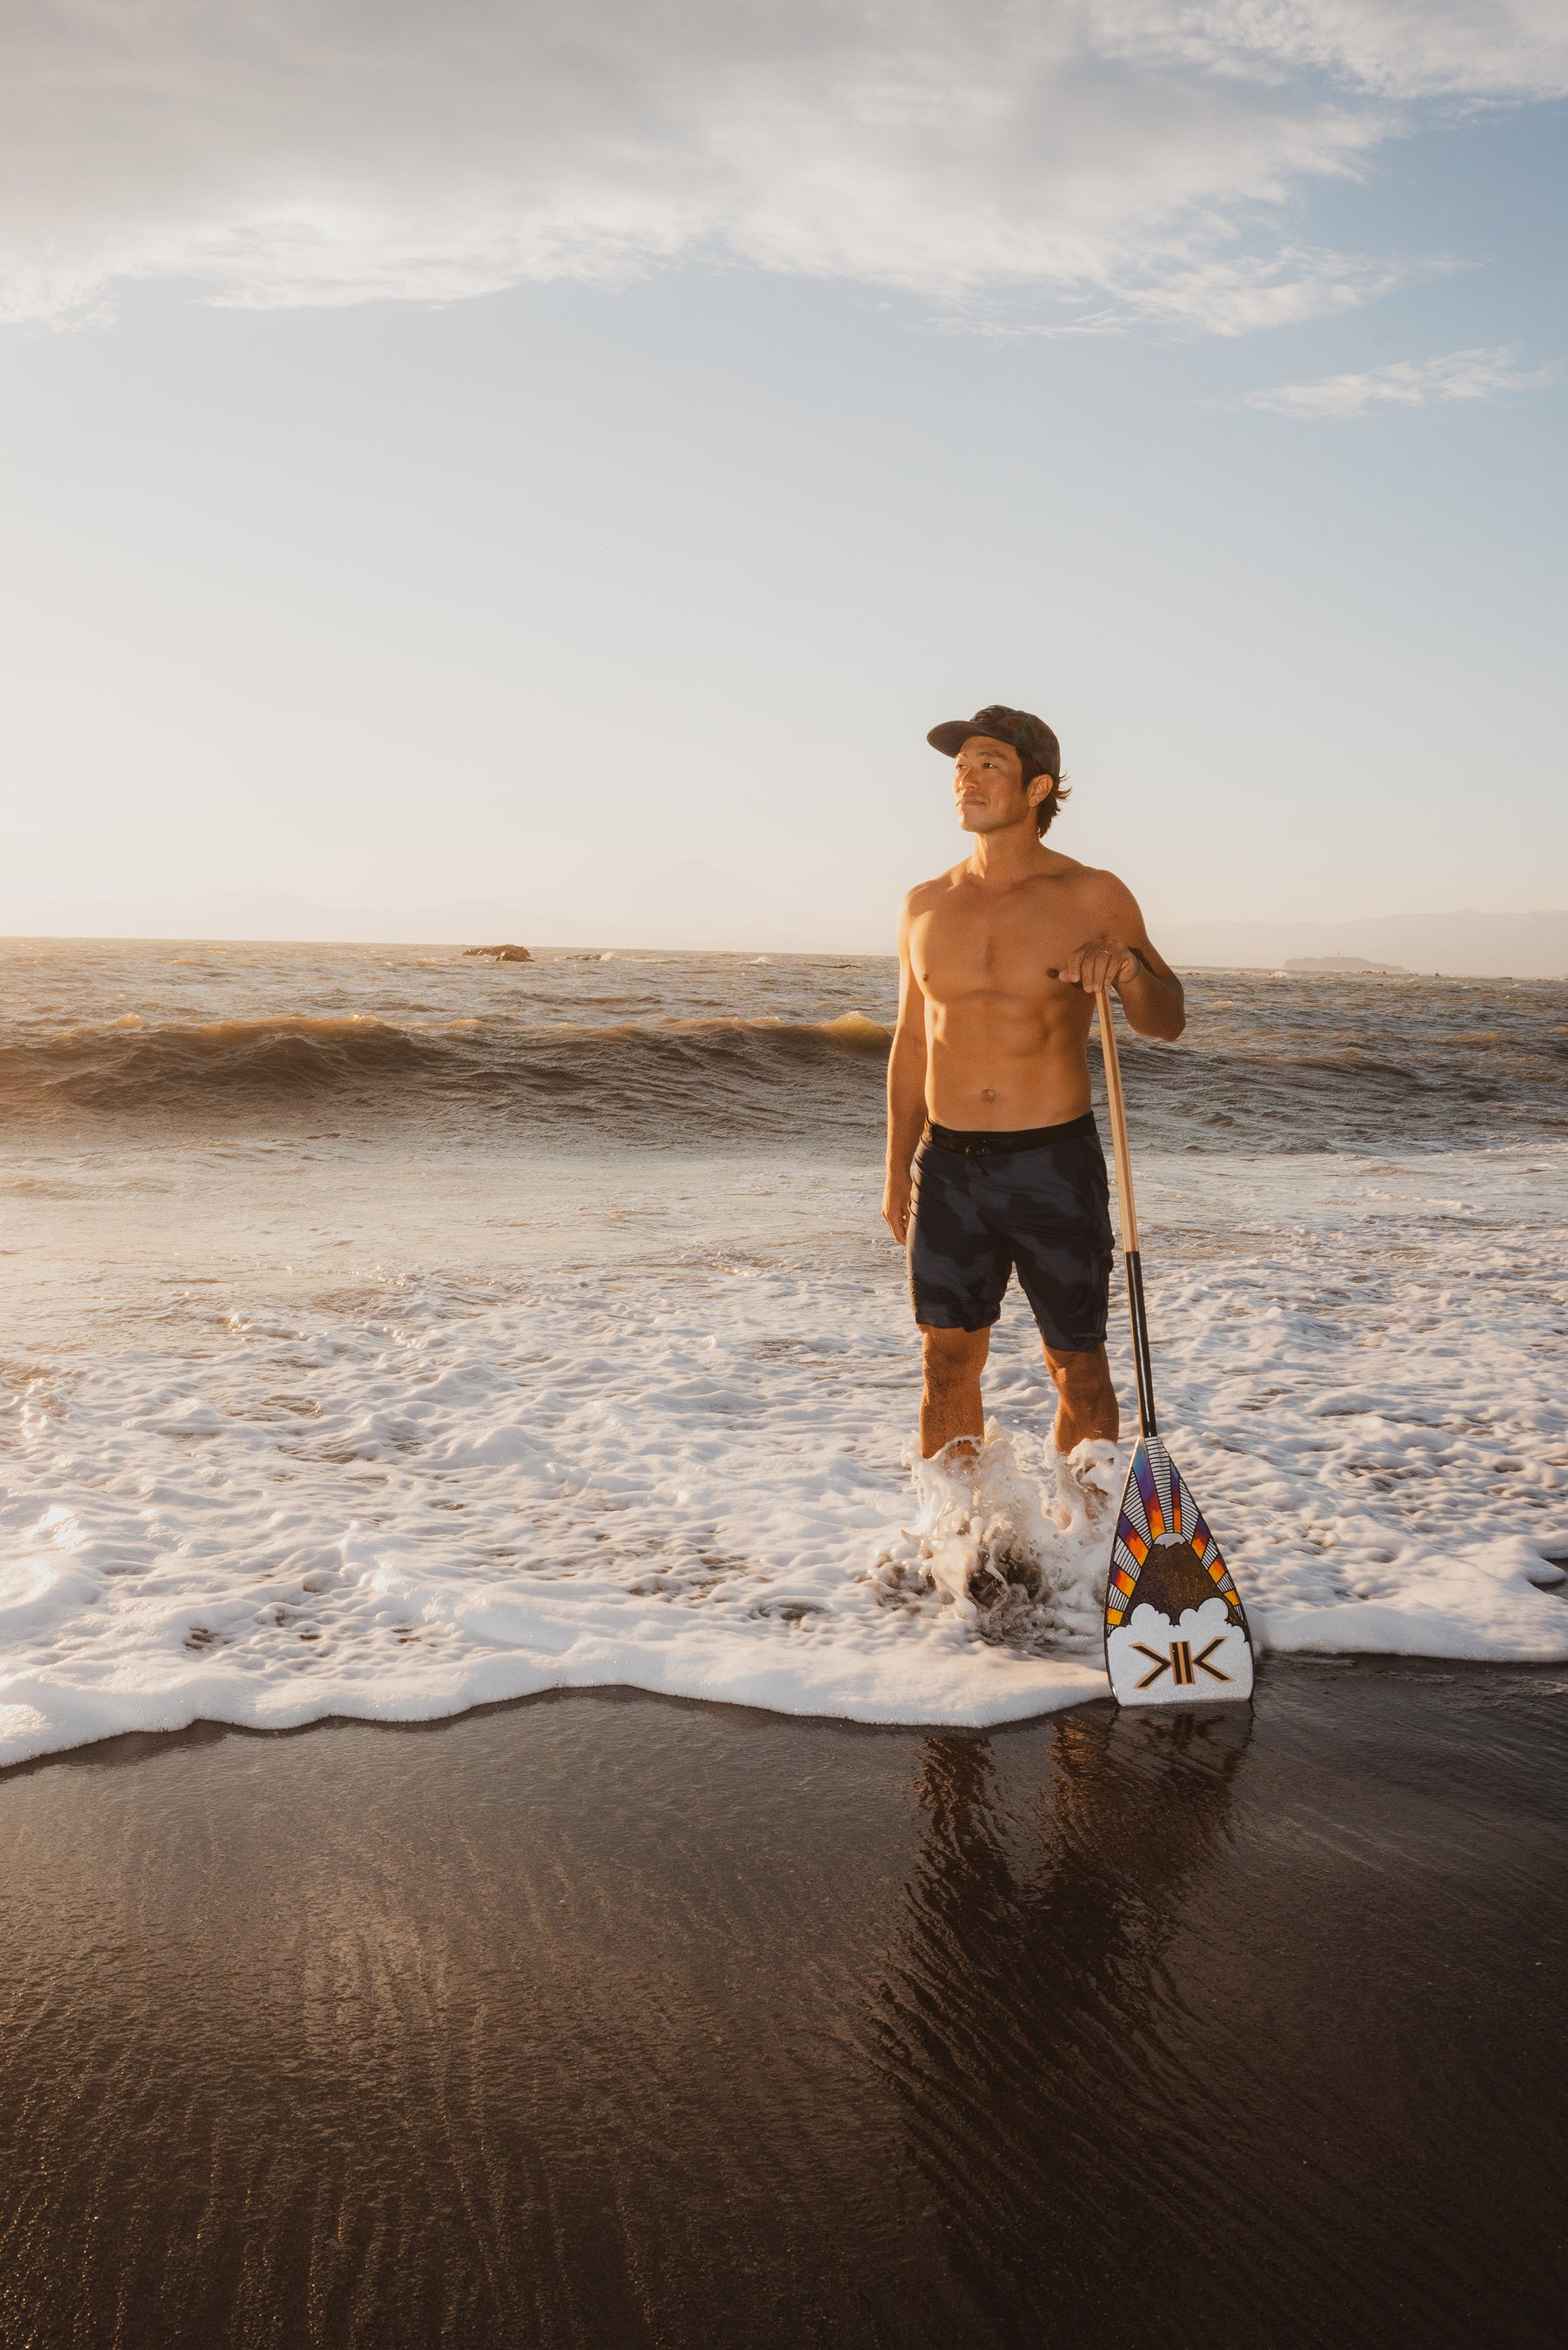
x=1176, y=1630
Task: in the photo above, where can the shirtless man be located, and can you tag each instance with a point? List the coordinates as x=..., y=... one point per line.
x=993, y=1158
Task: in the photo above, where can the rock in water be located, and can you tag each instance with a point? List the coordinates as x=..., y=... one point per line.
x=502, y=954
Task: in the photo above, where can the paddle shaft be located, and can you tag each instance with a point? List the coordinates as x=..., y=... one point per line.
x=1142, y=1370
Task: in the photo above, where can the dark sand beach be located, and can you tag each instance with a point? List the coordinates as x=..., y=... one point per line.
x=603, y=2018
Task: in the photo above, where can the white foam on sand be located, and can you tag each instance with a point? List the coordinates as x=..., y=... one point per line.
x=421, y=1492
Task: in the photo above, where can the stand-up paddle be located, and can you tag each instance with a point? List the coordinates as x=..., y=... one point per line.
x=1176, y=1630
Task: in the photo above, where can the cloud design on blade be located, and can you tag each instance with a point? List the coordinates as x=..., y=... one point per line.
x=1201, y=1658
x=1119, y=155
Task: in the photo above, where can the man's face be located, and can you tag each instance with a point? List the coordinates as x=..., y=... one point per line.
x=988, y=785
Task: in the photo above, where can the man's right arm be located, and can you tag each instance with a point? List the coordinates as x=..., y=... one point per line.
x=906, y=1089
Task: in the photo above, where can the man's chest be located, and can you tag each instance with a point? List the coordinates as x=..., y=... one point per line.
x=1010, y=946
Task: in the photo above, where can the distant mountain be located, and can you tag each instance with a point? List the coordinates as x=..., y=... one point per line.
x=1462, y=944
x=689, y=905
x=260, y=914
x=693, y=904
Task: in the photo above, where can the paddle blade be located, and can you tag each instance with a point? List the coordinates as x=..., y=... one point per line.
x=1176, y=1630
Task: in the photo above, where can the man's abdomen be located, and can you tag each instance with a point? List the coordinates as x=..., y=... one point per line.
x=1000, y=1071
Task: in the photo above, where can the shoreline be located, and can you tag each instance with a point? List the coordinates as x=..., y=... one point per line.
x=140, y=1742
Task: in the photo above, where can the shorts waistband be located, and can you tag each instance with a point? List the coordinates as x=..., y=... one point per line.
x=980, y=1142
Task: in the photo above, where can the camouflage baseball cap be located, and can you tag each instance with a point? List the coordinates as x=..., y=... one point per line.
x=1030, y=737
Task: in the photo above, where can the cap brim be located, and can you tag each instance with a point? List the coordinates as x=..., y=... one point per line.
x=950, y=738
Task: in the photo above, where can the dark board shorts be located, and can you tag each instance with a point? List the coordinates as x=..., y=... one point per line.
x=1039, y=1204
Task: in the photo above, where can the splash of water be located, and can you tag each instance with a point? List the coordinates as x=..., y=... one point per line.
x=1015, y=1539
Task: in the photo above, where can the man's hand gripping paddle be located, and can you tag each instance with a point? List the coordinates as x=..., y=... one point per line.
x=1176, y=1630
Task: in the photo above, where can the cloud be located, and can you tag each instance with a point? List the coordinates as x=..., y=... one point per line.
x=1408, y=383
x=1234, y=293
x=1128, y=158
x=1405, y=48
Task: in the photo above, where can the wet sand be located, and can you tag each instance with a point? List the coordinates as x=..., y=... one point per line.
x=606, y=2019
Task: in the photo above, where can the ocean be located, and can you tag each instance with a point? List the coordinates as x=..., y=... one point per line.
x=389, y=1331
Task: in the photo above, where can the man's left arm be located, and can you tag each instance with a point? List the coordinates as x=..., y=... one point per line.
x=1119, y=953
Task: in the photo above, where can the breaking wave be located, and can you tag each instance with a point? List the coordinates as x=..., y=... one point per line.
x=1261, y=1069
x=652, y=1081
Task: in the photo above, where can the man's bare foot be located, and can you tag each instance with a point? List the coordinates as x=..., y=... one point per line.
x=1086, y=1478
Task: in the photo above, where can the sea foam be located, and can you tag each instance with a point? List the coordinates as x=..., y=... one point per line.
x=400, y=1493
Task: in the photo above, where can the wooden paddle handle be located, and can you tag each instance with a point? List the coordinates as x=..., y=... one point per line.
x=1125, y=1210
x=1143, y=1369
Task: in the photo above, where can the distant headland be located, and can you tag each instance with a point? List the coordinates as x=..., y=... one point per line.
x=1464, y=944
x=1344, y=966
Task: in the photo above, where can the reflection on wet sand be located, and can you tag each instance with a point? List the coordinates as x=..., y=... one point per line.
x=1053, y=2085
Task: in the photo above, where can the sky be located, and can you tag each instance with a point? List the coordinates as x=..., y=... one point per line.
x=548, y=467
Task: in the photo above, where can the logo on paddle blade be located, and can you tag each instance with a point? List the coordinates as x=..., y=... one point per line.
x=1202, y=1655
x=1181, y=1663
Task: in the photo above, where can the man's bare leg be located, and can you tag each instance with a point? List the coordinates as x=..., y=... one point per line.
x=951, y=1407
x=1086, y=1399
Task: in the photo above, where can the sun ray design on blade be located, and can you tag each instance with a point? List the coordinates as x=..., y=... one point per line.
x=1157, y=1502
